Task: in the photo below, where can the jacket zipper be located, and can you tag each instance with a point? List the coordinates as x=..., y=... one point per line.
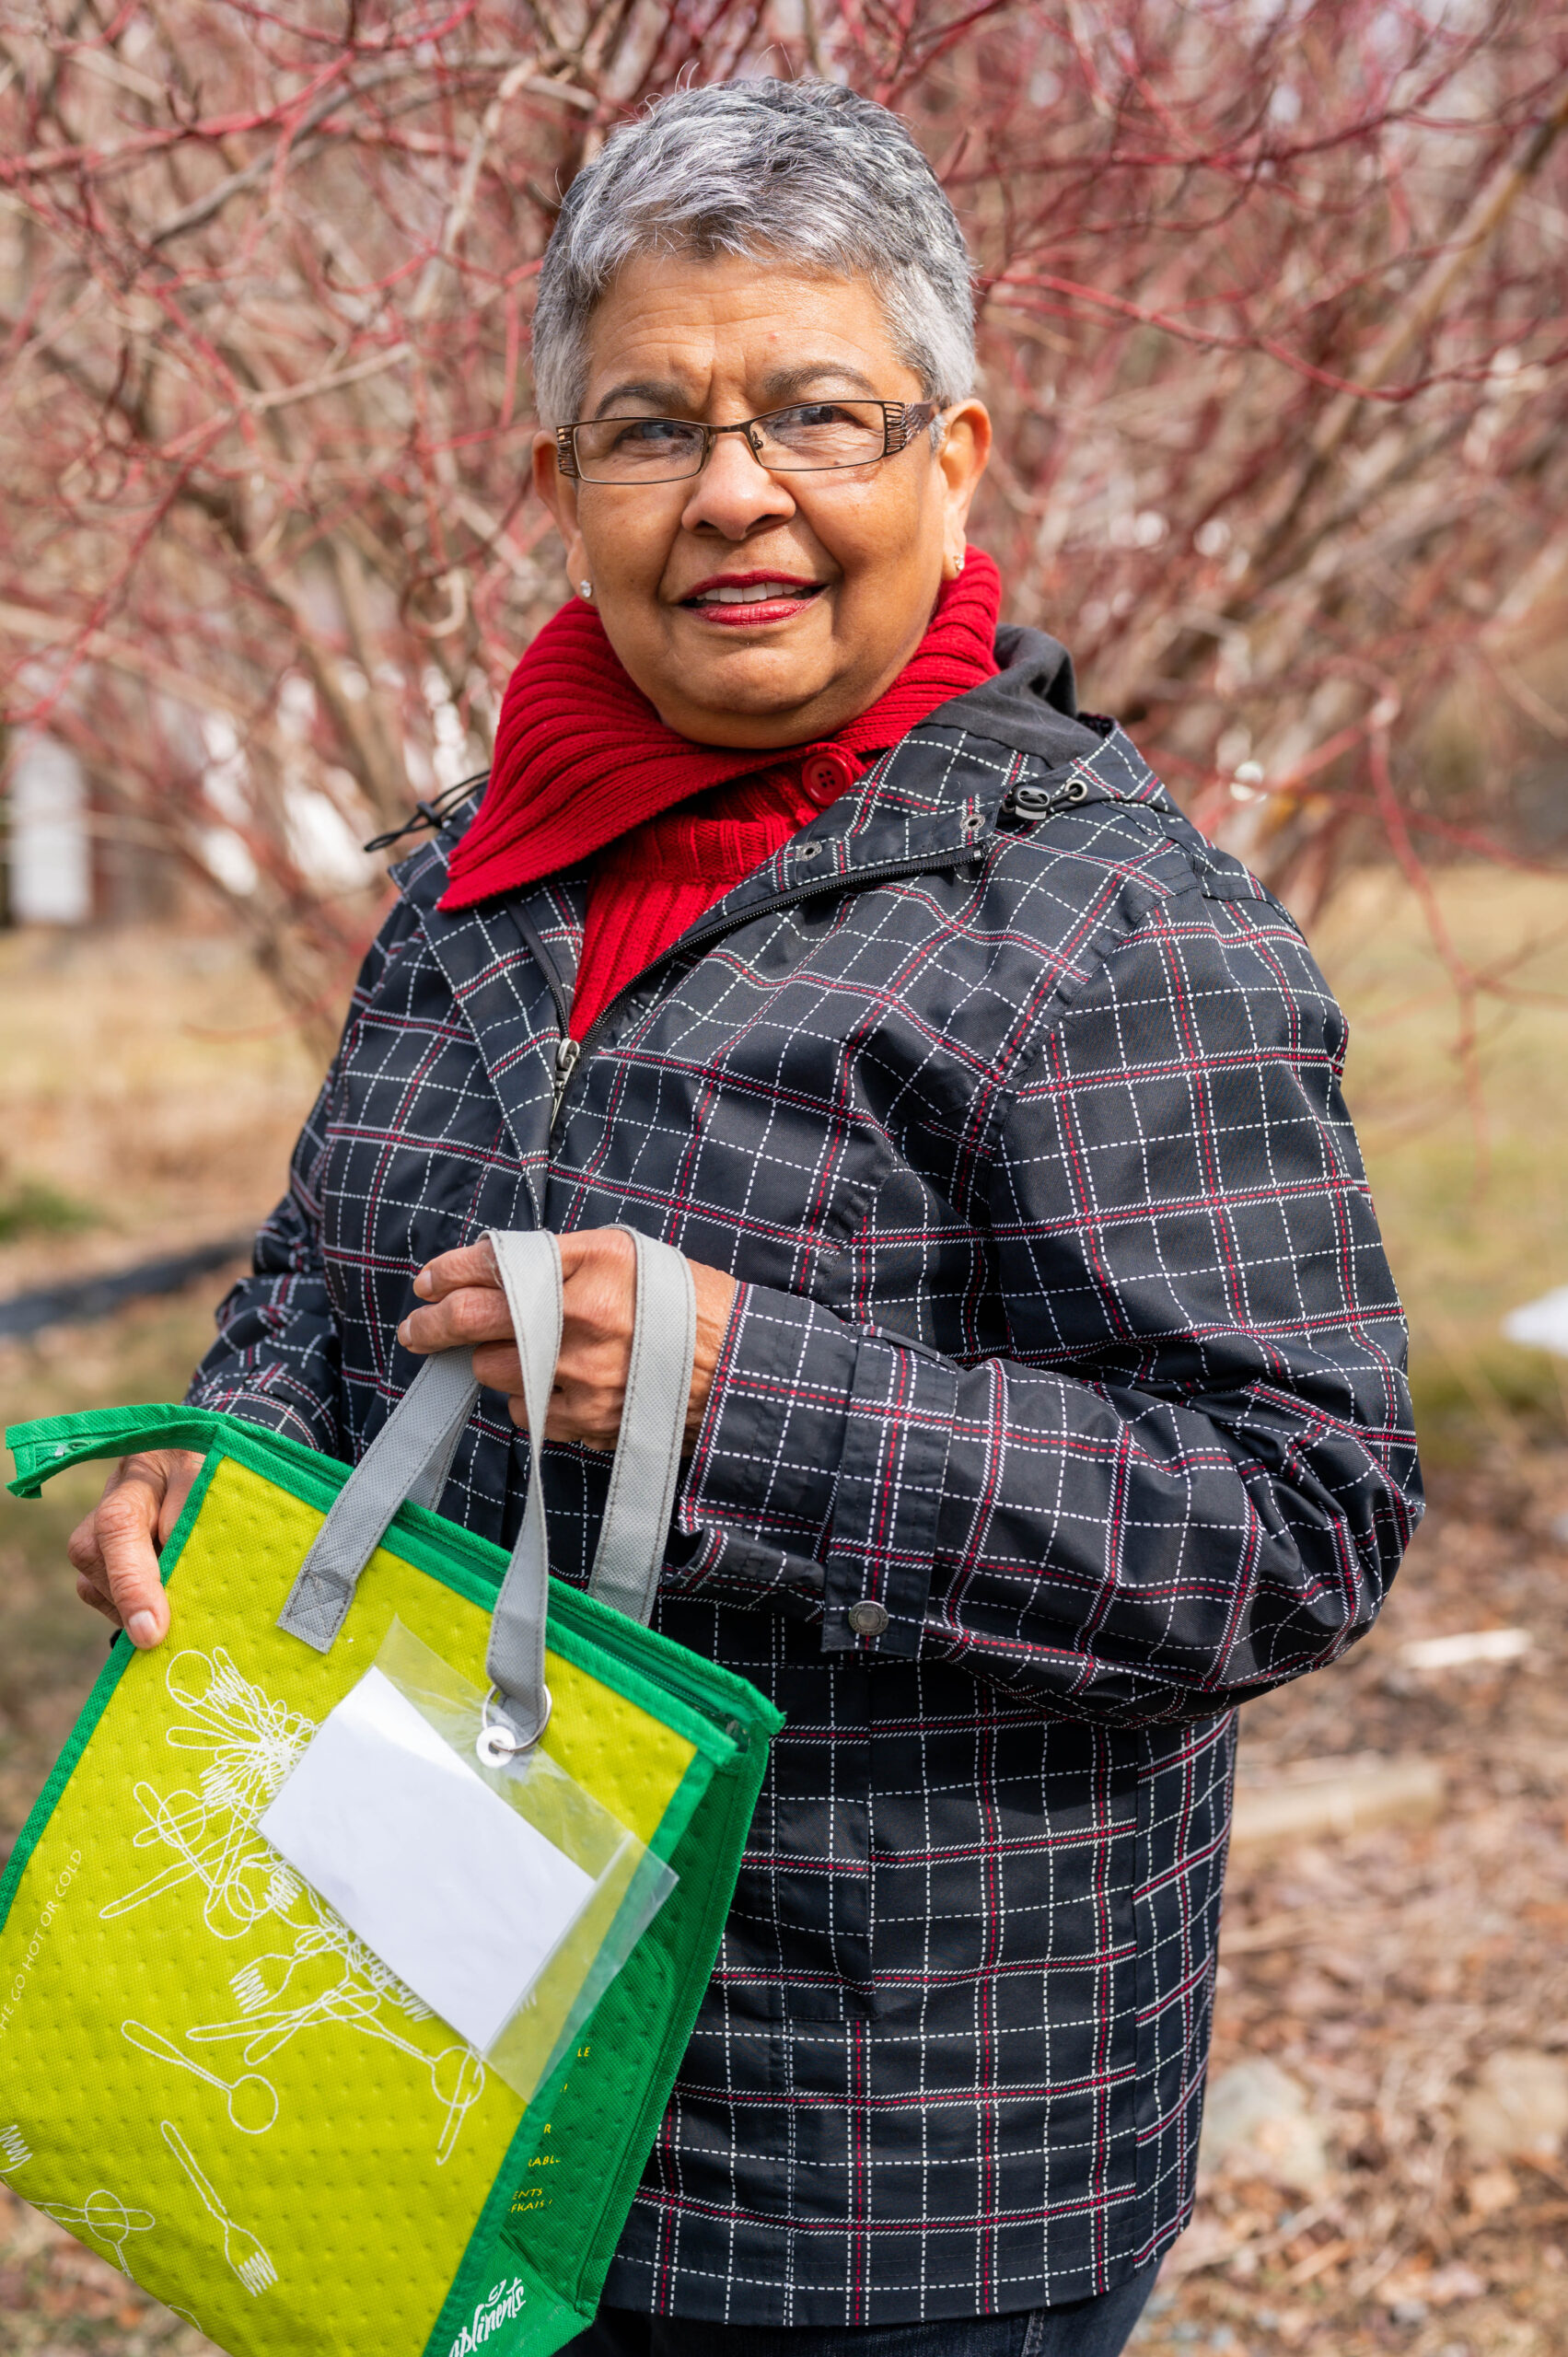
x=567, y=1058
x=571, y=1052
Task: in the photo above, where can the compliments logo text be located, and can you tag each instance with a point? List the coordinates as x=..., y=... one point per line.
x=499, y=2305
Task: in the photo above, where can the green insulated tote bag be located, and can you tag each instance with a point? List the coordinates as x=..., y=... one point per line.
x=349, y=1955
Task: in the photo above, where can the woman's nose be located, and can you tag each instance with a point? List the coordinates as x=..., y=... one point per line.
x=734, y=493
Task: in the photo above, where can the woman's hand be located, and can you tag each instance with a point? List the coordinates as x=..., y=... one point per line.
x=598, y=1268
x=114, y=1551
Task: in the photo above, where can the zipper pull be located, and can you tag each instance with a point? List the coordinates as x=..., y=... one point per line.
x=566, y=1056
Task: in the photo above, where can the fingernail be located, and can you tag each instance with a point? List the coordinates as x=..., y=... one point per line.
x=142, y=1629
x=423, y=1282
x=403, y=1334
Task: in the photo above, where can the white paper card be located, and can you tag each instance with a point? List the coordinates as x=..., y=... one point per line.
x=461, y=1895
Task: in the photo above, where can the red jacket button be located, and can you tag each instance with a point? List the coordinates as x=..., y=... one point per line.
x=829, y=772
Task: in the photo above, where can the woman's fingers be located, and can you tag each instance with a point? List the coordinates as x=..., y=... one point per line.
x=463, y=1307
x=470, y=1264
x=114, y=1550
x=599, y=1273
x=498, y=1367
x=465, y=1304
x=459, y=1320
x=716, y=1307
x=599, y=1298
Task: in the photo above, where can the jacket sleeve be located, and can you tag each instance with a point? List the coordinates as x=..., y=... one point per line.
x=277, y=1359
x=1191, y=1475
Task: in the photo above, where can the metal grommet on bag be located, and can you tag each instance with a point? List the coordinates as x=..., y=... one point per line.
x=868, y=1618
x=496, y=1743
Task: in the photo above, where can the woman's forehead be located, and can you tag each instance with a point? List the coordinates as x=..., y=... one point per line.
x=677, y=329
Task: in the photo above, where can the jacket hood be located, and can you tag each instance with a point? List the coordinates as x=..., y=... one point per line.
x=1031, y=704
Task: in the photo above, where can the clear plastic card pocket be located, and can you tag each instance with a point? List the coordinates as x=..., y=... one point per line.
x=498, y=1890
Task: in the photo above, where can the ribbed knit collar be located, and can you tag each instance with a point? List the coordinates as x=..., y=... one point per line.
x=582, y=757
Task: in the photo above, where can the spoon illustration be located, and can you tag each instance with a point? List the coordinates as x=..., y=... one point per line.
x=106, y=2218
x=457, y=2080
x=253, y=2100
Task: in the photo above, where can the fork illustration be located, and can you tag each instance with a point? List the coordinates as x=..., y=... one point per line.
x=269, y=2033
x=240, y=2248
x=457, y=2073
x=457, y=2080
x=249, y=1984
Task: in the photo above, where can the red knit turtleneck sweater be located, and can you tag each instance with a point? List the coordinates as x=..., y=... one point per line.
x=583, y=762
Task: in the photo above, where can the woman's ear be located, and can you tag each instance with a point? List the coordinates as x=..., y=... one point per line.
x=559, y=493
x=963, y=457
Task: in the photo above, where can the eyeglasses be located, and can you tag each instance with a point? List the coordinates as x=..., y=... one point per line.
x=809, y=437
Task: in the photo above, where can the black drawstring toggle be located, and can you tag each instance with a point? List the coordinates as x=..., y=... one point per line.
x=430, y=816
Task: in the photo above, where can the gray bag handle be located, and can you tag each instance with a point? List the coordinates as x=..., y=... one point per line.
x=411, y=1454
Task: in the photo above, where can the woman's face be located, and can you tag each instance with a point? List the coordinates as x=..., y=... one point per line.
x=863, y=551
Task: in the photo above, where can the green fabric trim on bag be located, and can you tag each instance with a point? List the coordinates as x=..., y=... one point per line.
x=93, y=1708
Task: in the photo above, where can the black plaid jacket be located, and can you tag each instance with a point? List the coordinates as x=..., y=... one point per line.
x=1062, y=1409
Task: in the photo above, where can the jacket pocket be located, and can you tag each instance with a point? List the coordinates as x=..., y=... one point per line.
x=801, y=1916
x=1004, y=1854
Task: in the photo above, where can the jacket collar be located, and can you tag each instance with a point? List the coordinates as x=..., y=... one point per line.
x=936, y=798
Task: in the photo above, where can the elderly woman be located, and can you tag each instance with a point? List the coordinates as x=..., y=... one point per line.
x=1049, y=1397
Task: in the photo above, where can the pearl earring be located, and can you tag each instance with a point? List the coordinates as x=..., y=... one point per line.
x=959, y=563
x=585, y=589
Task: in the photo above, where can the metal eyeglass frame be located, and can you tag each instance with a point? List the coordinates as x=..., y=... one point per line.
x=901, y=421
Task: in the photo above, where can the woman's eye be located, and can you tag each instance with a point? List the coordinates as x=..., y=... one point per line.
x=652, y=434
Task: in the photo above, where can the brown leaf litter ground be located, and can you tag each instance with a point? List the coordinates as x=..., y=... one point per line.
x=1380, y=1971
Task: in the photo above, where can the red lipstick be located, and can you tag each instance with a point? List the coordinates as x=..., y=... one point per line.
x=745, y=600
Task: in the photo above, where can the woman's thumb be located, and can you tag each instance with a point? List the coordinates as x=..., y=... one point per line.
x=127, y=1520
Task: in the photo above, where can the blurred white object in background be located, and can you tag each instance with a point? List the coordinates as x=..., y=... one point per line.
x=48, y=845
x=1542, y=1325
x=1471, y=1646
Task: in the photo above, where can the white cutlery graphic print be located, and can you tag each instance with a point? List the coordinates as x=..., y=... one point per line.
x=240, y=2247
x=107, y=2219
x=253, y=2100
x=249, y=1984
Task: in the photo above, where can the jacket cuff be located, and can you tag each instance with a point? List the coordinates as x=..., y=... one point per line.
x=276, y=1400
x=892, y=1476
x=823, y=1454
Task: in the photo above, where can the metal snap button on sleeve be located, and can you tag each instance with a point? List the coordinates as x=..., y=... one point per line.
x=867, y=1618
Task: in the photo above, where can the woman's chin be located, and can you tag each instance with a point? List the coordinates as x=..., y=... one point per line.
x=757, y=680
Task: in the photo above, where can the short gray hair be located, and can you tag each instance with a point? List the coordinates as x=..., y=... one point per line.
x=806, y=171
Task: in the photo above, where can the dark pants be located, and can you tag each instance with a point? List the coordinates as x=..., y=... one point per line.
x=1088, y=2329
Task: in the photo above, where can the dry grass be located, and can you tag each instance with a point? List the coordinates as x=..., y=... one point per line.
x=1475, y=1209
x=149, y=1080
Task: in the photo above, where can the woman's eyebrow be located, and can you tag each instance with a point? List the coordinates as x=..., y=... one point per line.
x=790, y=384
x=783, y=385
x=666, y=397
